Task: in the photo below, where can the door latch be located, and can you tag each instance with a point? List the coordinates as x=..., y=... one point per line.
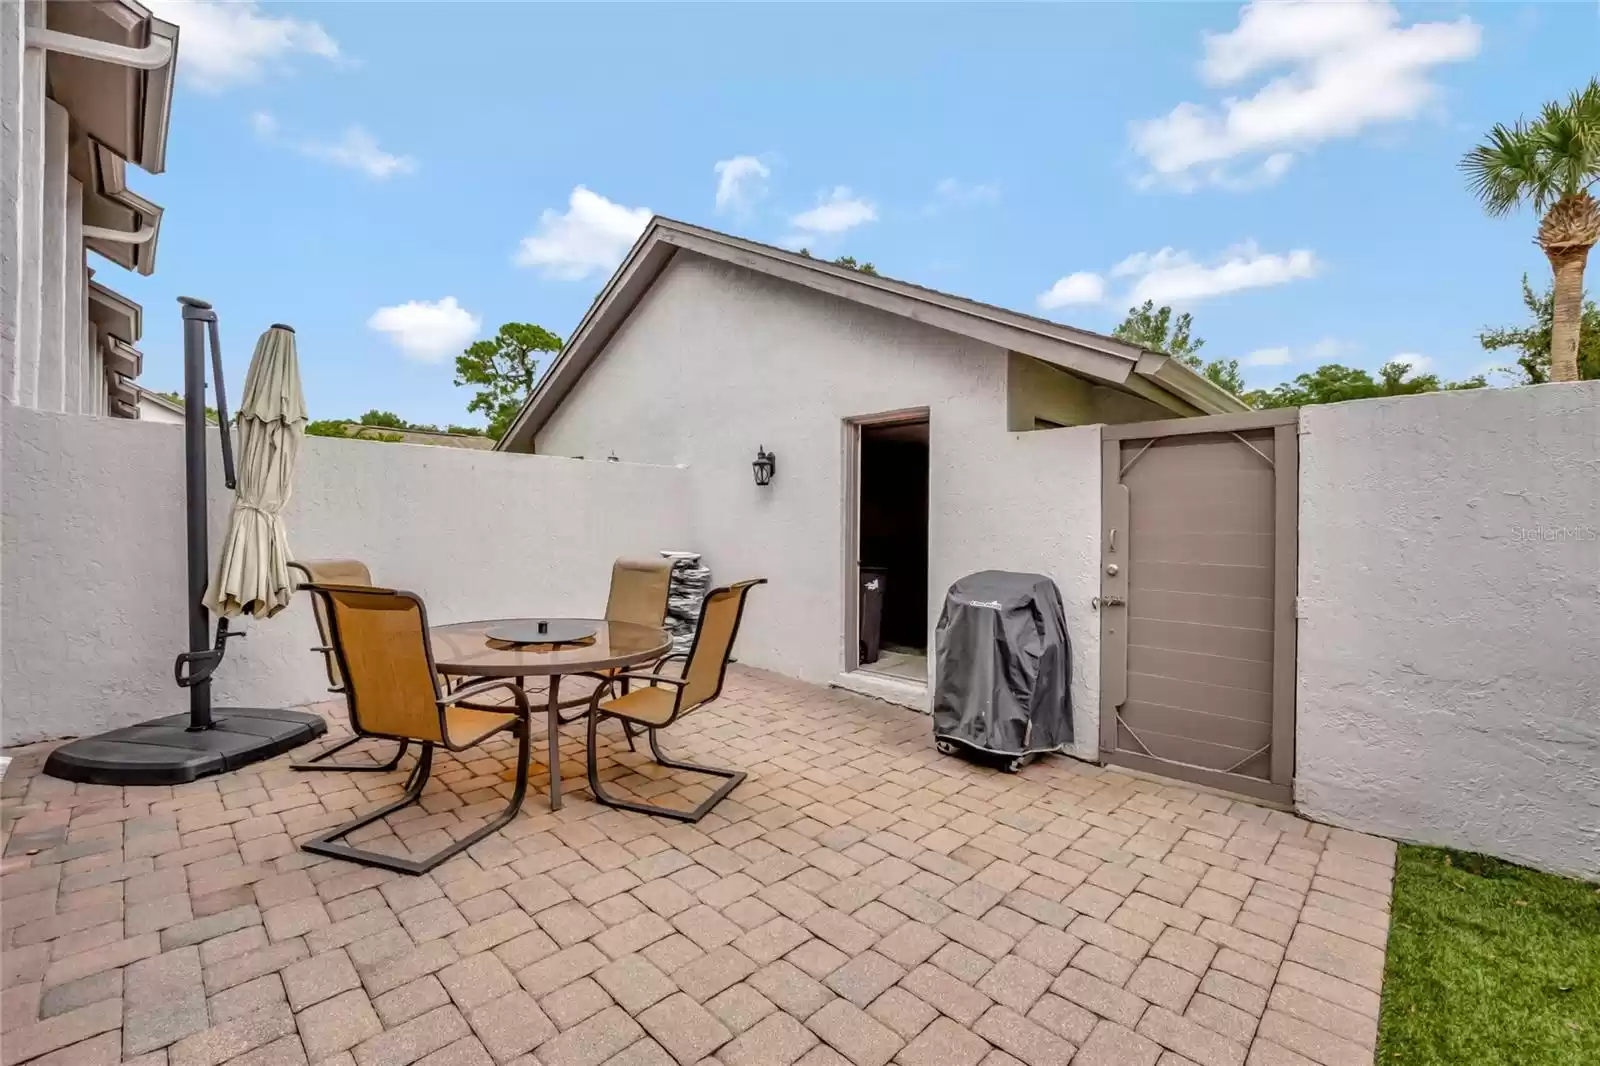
x=1107, y=601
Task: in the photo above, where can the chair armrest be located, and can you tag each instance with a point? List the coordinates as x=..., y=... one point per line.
x=478, y=688
x=635, y=675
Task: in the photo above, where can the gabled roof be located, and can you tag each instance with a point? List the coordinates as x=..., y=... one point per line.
x=1152, y=375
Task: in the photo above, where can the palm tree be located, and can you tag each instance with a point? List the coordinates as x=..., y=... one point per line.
x=1550, y=164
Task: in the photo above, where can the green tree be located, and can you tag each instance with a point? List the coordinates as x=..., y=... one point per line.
x=1334, y=383
x=848, y=261
x=505, y=370
x=387, y=419
x=1533, y=339
x=327, y=427
x=177, y=398
x=1550, y=165
x=1156, y=329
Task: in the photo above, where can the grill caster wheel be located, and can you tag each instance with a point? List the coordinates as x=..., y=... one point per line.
x=1016, y=765
x=945, y=747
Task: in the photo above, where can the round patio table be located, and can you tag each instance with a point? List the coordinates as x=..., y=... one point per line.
x=466, y=649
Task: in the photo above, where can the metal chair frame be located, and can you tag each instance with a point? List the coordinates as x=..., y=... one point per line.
x=732, y=779
x=330, y=843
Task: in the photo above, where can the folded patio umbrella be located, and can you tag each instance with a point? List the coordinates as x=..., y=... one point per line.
x=252, y=575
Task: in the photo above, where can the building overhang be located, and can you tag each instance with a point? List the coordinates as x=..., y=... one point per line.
x=115, y=315
x=110, y=64
x=118, y=223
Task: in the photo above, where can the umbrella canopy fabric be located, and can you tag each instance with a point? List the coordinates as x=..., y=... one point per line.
x=253, y=570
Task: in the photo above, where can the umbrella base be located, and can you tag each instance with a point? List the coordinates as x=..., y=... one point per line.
x=164, y=752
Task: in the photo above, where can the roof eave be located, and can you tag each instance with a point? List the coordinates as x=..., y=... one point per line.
x=1094, y=356
x=1184, y=381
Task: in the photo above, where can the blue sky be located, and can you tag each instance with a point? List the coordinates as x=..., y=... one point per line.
x=397, y=179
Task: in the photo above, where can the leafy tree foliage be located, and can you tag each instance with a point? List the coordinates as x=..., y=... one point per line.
x=385, y=418
x=1532, y=341
x=1550, y=164
x=1334, y=383
x=505, y=370
x=847, y=261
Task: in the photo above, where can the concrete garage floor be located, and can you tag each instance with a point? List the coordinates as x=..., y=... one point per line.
x=859, y=899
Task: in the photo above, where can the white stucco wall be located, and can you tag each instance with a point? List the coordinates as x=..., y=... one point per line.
x=717, y=361
x=1449, y=683
x=92, y=578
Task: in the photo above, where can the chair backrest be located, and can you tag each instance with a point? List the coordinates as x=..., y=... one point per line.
x=380, y=637
x=639, y=591
x=713, y=642
x=330, y=572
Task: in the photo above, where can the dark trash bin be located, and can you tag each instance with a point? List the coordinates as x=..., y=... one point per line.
x=1003, y=664
x=874, y=582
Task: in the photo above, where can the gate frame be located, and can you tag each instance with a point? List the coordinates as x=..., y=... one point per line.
x=1285, y=424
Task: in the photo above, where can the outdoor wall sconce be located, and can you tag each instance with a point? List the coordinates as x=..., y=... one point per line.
x=764, y=466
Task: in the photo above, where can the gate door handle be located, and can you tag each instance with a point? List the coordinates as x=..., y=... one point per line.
x=1109, y=601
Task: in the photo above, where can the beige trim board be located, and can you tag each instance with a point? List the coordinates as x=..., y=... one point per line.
x=1223, y=423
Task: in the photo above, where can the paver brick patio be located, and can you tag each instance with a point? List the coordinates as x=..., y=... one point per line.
x=859, y=900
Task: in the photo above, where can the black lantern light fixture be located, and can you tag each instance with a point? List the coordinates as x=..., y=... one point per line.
x=764, y=466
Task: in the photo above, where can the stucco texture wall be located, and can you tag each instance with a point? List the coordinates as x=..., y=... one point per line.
x=91, y=588
x=1449, y=675
x=718, y=360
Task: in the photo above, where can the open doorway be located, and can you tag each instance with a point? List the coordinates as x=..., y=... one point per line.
x=892, y=549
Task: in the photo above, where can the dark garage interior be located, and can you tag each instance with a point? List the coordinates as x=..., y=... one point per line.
x=893, y=518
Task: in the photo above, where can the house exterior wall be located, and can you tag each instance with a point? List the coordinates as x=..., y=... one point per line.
x=1449, y=673
x=92, y=622
x=48, y=359
x=717, y=360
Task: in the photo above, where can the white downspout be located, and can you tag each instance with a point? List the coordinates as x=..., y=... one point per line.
x=153, y=56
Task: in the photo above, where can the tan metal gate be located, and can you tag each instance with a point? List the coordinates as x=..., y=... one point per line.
x=1198, y=572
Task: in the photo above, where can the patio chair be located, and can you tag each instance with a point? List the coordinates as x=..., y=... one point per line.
x=338, y=572
x=638, y=594
x=654, y=708
x=380, y=640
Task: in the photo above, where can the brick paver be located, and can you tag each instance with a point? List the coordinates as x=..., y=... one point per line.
x=859, y=900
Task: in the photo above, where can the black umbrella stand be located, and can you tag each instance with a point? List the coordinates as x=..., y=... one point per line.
x=182, y=747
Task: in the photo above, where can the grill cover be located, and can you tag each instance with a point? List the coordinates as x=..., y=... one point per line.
x=1003, y=663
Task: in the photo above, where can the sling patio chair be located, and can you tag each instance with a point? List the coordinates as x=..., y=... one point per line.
x=380, y=640
x=338, y=572
x=653, y=707
x=639, y=595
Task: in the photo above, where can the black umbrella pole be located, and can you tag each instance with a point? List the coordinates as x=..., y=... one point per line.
x=196, y=315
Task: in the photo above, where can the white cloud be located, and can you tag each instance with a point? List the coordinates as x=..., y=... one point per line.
x=741, y=181
x=1268, y=357
x=1419, y=364
x=952, y=193
x=223, y=44
x=592, y=234
x=1084, y=287
x=1331, y=350
x=839, y=211
x=427, y=331
x=1171, y=276
x=356, y=149
x=1174, y=277
x=1348, y=66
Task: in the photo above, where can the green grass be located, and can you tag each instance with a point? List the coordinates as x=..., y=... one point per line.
x=1489, y=963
